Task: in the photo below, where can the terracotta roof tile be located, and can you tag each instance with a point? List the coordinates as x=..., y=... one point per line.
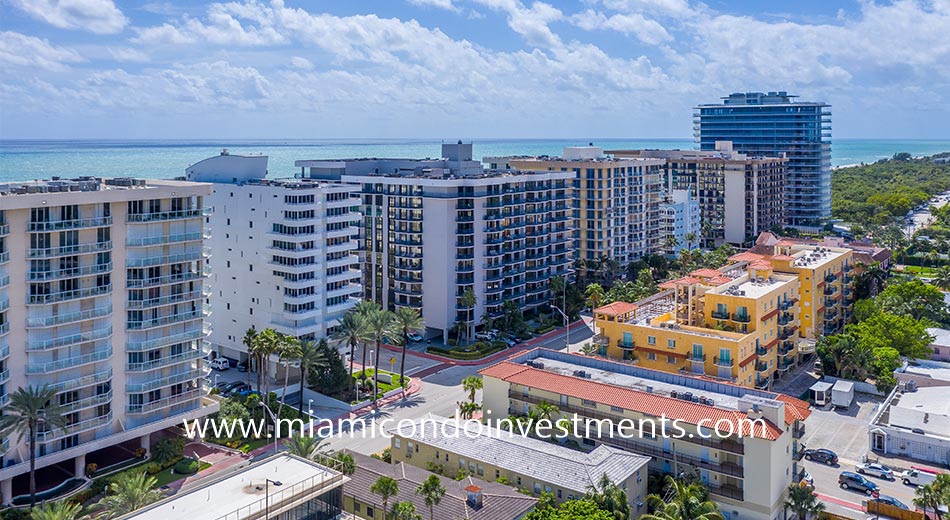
x=667, y=285
x=719, y=280
x=706, y=273
x=760, y=264
x=616, y=308
x=783, y=258
x=746, y=257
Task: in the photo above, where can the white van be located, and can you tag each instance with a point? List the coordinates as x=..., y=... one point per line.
x=220, y=364
x=915, y=477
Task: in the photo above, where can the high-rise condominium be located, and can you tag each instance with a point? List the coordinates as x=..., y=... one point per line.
x=102, y=297
x=772, y=124
x=285, y=252
x=436, y=230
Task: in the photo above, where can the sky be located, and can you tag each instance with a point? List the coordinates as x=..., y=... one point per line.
x=281, y=69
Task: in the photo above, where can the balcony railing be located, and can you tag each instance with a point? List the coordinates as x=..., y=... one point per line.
x=166, y=239
x=80, y=382
x=168, y=215
x=71, y=317
x=188, y=355
x=174, y=379
x=74, y=429
x=63, y=364
x=71, y=224
x=168, y=259
x=88, y=402
x=60, y=296
x=165, y=341
x=68, y=341
x=78, y=249
x=698, y=358
x=624, y=345
x=720, y=362
x=163, y=280
x=720, y=315
x=74, y=272
x=167, y=320
x=741, y=318
x=136, y=409
x=165, y=300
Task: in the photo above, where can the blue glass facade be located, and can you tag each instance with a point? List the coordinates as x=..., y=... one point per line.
x=774, y=123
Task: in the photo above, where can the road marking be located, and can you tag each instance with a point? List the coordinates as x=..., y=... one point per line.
x=840, y=501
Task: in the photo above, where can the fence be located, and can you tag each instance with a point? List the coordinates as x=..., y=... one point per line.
x=880, y=508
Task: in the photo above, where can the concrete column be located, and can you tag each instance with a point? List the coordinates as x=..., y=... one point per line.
x=80, y=466
x=145, y=441
x=6, y=491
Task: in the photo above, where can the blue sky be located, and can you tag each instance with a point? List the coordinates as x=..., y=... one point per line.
x=472, y=68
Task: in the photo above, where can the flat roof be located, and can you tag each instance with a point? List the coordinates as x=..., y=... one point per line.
x=941, y=336
x=932, y=399
x=240, y=493
x=754, y=288
x=937, y=370
x=548, y=462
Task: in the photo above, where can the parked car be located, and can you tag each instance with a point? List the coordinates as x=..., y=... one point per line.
x=822, y=455
x=415, y=338
x=238, y=389
x=509, y=341
x=887, y=499
x=849, y=480
x=484, y=336
x=220, y=364
x=807, y=479
x=224, y=385
x=875, y=469
x=242, y=366
x=916, y=477
x=227, y=388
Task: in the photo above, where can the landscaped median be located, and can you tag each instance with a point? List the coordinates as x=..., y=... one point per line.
x=471, y=352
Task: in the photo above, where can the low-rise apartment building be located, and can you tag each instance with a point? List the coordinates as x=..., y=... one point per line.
x=747, y=472
x=285, y=252
x=739, y=195
x=103, y=298
x=500, y=233
x=914, y=424
x=617, y=210
x=530, y=464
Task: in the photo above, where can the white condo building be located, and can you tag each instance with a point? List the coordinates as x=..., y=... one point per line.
x=102, y=297
x=502, y=234
x=285, y=252
x=680, y=217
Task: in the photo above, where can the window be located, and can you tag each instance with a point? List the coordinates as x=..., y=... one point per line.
x=591, y=404
x=537, y=487
x=651, y=356
x=397, y=442
x=651, y=340
x=369, y=512
x=671, y=360
x=671, y=343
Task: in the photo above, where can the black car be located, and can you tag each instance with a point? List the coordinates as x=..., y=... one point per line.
x=242, y=366
x=887, y=499
x=235, y=389
x=850, y=480
x=822, y=455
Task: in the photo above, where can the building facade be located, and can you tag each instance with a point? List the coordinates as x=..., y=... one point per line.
x=617, y=212
x=913, y=424
x=285, y=252
x=681, y=220
x=747, y=477
x=500, y=233
x=739, y=195
x=772, y=124
x=102, y=297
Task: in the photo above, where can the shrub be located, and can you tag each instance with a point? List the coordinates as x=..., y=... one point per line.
x=451, y=342
x=153, y=467
x=499, y=344
x=214, y=391
x=140, y=453
x=385, y=456
x=544, y=330
x=91, y=469
x=186, y=467
x=246, y=448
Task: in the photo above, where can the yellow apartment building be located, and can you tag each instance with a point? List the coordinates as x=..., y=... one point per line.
x=746, y=472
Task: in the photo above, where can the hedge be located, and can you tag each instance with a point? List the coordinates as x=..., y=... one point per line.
x=465, y=356
x=544, y=330
x=186, y=467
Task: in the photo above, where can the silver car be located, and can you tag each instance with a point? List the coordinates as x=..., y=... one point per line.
x=875, y=469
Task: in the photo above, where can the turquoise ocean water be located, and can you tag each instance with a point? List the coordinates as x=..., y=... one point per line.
x=25, y=160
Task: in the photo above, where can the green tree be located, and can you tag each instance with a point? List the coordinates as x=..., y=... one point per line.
x=571, y=510
x=32, y=410
x=844, y=356
x=381, y=324
x=467, y=409
x=886, y=361
x=431, y=490
x=343, y=462
x=472, y=384
x=249, y=340
x=905, y=334
x=864, y=309
x=468, y=301
x=404, y=511
x=609, y=497
x=686, y=501
x=169, y=449
x=386, y=488
x=803, y=502
x=595, y=295
x=288, y=351
x=307, y=447
x=914, y=299
x=941, y=278
x=309, y=356
x=134, y=490
x=690, y=239
x=59, y=510
x=670, y=243
x=407, y=321
x=353, y=330
x=330, y=376
x=927, y=497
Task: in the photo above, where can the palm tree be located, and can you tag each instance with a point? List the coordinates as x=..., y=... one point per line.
x=381, y=325
x=468, y=301
x=289, y=351
x=60, y=510
x=595, y=294
x=671, y=242
x=472, y=384
x=309, y=357
x=928, y=497
x=802, y=501
x=267, y=343
x=406, y=320
x=467, y=409
x=432, y=491
x=690, y=240
x=306, y=446
x=385, y=487
x=250, y=337
x=942, y=277
x=404, y=511
x=31, y=411
x=134, y=491
x=609, y=497
x=353, y=330
x=343, y=462
x=546, y=410
x=686, y=501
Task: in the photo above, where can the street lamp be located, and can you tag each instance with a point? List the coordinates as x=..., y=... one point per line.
x=267, y=483
x=273, y=418
x=310, y=406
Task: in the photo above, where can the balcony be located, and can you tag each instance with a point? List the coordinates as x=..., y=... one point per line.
x=696, y=358
x=182, y=377
x=4, y=257
x=719, y=315
x=830, y=278
x=138, y=409
x=63, y=364
x=162, y=216
x=62, y=296
x=78, y=249
x=167, y=320
x=166, y=300
x=4, y=229
x=720, y=362
x=621, y=344
x=761, y=351
x=152, y=261
x=762, y=383
x=88, y=402
x=75, y=428
x=163, y=280
x=84, y=381
x=600, y=339
x=829, y=291
x=75, y=272
x=78, y=223
x=786, y=365
x=798, y=431
x=188, y=355
x=741, y=318
x=762, y=367
x=68, y=341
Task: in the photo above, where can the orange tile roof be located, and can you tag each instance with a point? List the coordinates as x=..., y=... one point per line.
x=760, y=264
x=746, y=257
x=667, y=285
x=719, y=280
x=794, y=408
x=706, y=273
x=616, y=308
x=686, y=280
x=783, y=258
x=623, y=397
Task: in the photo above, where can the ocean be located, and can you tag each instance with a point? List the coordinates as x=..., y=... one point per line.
x=40, y=159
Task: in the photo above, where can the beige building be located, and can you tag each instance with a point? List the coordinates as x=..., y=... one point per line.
x=747, y=472
x=617, y=210
x=102, y=297
x=531, y=465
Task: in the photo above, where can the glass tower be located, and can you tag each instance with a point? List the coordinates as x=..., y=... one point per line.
x=771, y=124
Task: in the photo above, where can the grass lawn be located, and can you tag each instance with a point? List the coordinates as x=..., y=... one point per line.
x=924, y=271
x=165, y=476
x=383, y=387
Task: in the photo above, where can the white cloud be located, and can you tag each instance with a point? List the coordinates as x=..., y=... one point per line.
x=647, y=31
x=128, y=54
x=97, y=16
x=27, y=51
x=440, y=4
x=301, y=63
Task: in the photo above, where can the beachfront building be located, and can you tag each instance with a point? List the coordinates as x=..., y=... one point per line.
x=285, y=252
x=617, y=213
x=471, y=498
x=747, y=477
x=281, y=486
x=500, y=233
x=739, y=195
x=770, y=125
x=103, y=298
x=530, y=464
x=736, y=324
x=680, y=216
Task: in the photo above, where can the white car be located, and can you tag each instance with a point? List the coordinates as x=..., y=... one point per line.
x=484, y=336
x=219, y=364
x=415, y=338
x=875, y=469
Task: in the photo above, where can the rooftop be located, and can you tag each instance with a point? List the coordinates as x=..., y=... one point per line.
x=754, y=288
x=811, y=257
x=551, y=463
x=240, y=494
x=941, y=336
x=499, y=502
x=84, y=184
x=936, y=370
